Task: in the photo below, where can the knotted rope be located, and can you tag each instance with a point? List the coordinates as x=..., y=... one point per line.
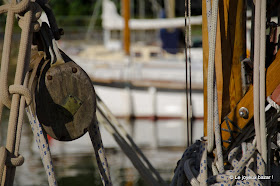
x=247, y=163
x=10, y=155
x=18, y=91
x=194, y=167
x=272, y=104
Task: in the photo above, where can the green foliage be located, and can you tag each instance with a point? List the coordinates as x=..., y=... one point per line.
x=60, y=7
x=80, y=8
x=72, y=7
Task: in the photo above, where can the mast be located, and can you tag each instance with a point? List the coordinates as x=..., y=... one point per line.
x=205, y=47
x=126, y=31
x=171, y=9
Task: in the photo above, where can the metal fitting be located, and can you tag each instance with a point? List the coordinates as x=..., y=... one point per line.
x=244, y=113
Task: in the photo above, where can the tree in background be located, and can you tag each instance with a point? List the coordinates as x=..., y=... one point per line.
x=72, y=7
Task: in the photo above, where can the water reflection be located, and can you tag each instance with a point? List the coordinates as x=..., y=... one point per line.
x=163, y=142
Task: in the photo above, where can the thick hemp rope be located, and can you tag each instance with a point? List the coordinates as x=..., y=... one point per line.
x=10, y=156
x=14, y=126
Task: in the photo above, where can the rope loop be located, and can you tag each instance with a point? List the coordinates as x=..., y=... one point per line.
x=6, y=159
x=15, y=162
x=20, y=89
x=36, y=14
x=273, y=103
x=19, y=7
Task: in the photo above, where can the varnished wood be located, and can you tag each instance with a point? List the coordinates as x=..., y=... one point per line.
x=205, y=60
x=171, y=9
x=272, y=81
x=126, y=31
x=230, y=50
x=219, y=69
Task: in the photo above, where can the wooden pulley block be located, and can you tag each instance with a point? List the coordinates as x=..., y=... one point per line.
x=65, y=100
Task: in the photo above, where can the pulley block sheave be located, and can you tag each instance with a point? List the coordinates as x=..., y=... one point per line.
x=65, y=101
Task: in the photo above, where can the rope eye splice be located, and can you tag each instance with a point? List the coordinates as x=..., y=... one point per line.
x=46, y=80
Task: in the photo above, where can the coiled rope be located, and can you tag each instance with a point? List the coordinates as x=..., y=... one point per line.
x=249, y=160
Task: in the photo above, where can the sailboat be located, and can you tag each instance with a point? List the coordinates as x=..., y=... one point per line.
x=151, y=73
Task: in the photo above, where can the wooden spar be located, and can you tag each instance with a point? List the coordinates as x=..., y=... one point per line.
x=205, y=60
x=230, y=51
x=126, y=31
x=272, y=81
x=171, y=9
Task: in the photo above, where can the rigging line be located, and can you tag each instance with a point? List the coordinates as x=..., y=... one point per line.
x=190, y=70
x=189, y=47
x=262, y=81
x=186, y=62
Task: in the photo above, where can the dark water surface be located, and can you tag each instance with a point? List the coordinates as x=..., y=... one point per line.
x=162, y=142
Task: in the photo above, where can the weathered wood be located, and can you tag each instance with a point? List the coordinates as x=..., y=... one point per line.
x=65, y=101
x=272, y=81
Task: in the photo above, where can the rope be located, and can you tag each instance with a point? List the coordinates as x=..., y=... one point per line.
x=21, y=94
x=210, y=76
x=115, y=129
x=244, y=158
x=256, y=73
x=3, y=156
x=43, y=145
x=194, y=166
x=272, y=104
x=19, y=89
x=262, y=81
x=187, y=88
x=209, y=14
x=203, y=166
x=218, y=139
x=16, y=114
x=190, y=72
x=182, y=169
x=101, y=159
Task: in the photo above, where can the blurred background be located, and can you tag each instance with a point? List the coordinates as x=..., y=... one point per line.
x=144, y=86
